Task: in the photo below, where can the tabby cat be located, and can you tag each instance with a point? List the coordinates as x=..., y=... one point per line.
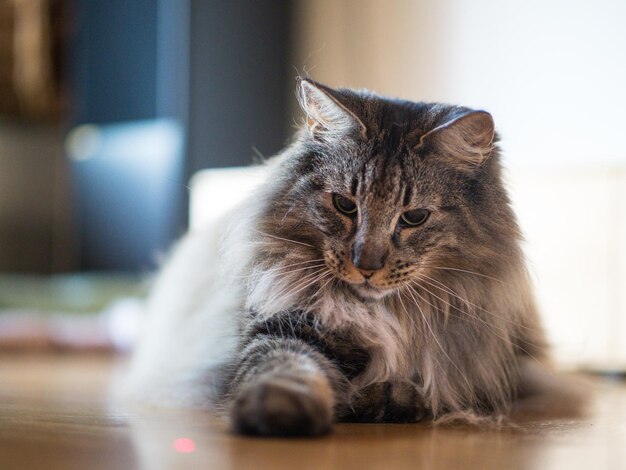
x=376, y=276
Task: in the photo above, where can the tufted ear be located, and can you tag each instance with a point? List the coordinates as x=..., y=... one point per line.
x=468, y=138
x=327, y=115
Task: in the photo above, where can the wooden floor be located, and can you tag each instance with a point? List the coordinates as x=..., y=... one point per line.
x=54, y=414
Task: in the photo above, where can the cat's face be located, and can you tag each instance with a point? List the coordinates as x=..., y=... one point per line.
x=387, y=193
x=382, y=222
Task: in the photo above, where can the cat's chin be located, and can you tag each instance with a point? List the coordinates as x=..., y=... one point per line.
x=369, y=292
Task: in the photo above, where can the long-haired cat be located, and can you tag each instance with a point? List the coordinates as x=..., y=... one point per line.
x=376, y=276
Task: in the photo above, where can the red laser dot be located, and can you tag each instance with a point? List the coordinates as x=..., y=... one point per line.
x=184, y=445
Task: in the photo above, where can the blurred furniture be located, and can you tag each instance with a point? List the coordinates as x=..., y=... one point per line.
x=70, y=312
x=35, y=218
x=30, y=58
x=213, y=192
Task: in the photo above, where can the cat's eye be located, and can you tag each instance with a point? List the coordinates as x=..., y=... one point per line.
x=414, y=218
x=344, y=205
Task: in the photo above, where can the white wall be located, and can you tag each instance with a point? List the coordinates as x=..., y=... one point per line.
x=553, y=73
x=574, y=220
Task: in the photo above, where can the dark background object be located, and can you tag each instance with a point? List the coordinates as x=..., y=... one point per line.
x=241, y=80
x=113, y=66
x=219, y=69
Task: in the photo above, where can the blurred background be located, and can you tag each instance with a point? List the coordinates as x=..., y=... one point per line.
x=121, y=121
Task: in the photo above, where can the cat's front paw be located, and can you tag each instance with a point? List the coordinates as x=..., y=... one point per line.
x=282, y=407
x=386, y=402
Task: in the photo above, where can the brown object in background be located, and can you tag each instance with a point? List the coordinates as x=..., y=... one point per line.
x=30, y=40
x=35, y=213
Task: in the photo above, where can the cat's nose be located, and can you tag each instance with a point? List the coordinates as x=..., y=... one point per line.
x=368, y=258
x=366, y=273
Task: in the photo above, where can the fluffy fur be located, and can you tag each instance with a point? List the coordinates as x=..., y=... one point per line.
x=294, y=314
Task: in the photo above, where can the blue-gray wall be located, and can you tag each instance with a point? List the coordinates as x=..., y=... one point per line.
x=241, y=80
x=114, y=60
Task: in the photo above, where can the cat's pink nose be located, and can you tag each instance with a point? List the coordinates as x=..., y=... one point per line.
x=367, y=273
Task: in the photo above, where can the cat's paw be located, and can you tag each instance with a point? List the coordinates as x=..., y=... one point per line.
x=282, y=407
x=403, y=405
x=386, y=402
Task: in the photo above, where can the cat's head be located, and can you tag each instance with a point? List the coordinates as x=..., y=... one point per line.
x=388, y=192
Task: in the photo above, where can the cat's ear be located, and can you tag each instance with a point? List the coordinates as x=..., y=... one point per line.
x=468, y=139
x=327, y=115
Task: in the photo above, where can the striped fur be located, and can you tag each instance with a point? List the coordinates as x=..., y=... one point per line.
x=269, y=315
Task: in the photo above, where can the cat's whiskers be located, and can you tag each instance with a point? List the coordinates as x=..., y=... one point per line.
x=281, y=269
x=315, y=280
x=281, y=238
x=472, y=314
x=445, y=290
x=318, y=291
x=410, y=291
x=464, y=313
x=451, y=292
x=464, y=271
x=443, y=287
x=325, y=284
x=488, y=325
x=299, y=263
x=446, y=312
x=300, y=280
x=304, y=282
x=406, y=311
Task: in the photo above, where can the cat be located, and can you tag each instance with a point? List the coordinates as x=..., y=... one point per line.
x=375, y=276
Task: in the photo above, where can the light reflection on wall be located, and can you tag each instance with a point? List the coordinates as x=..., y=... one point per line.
x=128, y=191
